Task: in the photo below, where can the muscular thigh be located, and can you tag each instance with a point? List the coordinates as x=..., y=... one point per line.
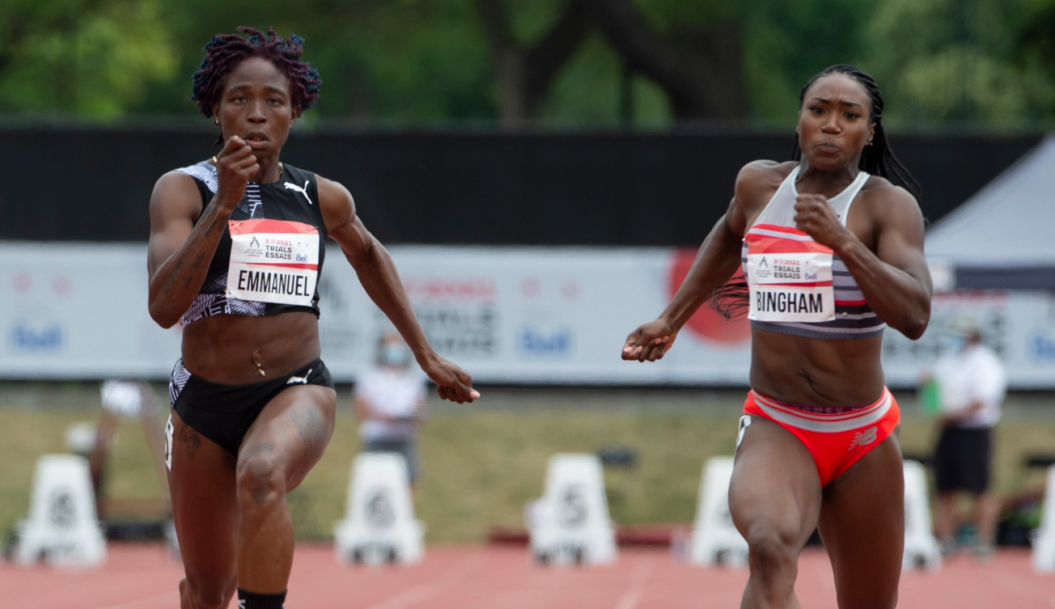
x=862, y=524
x=292, y=431
x=204, y=507
x=775, y=486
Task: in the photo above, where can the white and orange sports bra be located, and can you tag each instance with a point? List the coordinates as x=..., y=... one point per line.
x=798, y=286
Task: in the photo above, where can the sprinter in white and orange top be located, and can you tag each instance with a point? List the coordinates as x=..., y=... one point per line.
x=832, y=253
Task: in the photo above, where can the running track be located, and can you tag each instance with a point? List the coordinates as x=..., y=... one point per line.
x=143, y=577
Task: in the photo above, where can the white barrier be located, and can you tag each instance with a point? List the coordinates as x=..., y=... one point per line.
x=1044, y=536
x=62, y=527
x=379, y=525
x=715, y=539
x=571, y=523
x=123, y=398
x=921, y=547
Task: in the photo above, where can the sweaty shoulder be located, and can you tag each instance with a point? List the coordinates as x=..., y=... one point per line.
x=337, y=204
x=758, y=181
x=888, y=201
x=176, y=193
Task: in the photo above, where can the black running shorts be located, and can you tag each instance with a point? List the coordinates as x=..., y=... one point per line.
x=961, y=460
x=224, y=413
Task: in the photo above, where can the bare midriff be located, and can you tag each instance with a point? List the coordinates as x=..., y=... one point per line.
x=815, y=372
x=225, y=348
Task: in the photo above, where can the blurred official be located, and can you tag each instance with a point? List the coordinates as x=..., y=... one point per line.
x=390, y=403
x=971, y=385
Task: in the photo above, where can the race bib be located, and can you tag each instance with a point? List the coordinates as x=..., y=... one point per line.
x=789, y=280
x=274, y=261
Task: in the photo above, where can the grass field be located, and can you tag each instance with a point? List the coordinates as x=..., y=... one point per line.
x=481, y=463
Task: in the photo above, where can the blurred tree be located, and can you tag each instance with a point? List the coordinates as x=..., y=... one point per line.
x=524, y=72
x=786, y=43
x=595, y=62
x=1036, y=43
x=90, y=57
x=380, y=60
x=956, y=60
x=692, y=49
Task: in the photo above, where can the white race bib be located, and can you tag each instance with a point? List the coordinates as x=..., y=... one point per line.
x=790, y=286
x=275, y=261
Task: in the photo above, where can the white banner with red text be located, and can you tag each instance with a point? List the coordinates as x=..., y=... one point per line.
x=508, y=315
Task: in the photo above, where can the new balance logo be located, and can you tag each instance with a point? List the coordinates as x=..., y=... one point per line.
x=303, y=191
x=864, y=438
x=299, y=380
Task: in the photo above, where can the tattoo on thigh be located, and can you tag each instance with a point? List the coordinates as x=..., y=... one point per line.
x=188, y=436
x=311, y=427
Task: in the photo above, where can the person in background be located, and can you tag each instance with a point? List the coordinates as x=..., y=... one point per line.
x=971, y=385
x=390, y=403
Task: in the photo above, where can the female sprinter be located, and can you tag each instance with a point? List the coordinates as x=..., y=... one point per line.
x=236, y=248
x=832, y=253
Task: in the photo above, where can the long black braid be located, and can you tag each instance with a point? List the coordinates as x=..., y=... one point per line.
x=731, y=299
x=225, y=51
x=877, y=159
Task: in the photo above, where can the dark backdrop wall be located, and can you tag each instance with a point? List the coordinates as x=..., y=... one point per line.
x=457, y=188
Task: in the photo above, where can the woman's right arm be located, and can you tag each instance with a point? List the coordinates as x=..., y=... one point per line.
x=716, y=261
x=180, y=249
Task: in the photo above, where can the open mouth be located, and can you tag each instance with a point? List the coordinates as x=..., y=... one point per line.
x=256, y=140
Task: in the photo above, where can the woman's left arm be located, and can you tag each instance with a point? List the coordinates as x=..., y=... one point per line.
x=894, y=279
x=379, y=278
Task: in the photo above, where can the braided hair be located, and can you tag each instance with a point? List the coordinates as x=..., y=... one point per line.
x=225, y=51
x=731, y=299
x=877, y=158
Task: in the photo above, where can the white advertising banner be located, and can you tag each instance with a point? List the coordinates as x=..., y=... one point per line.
x=508, y=315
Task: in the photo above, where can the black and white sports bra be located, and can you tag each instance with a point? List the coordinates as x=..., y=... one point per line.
x=270, y=257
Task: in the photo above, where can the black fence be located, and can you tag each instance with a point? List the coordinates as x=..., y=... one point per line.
x=609, y=189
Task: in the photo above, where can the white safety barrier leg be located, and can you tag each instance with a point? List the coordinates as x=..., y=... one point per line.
x=570, y=524
x=715, y=539
x=62, y=527
x=379, y=525
x=921, y=547
x=1044, y=536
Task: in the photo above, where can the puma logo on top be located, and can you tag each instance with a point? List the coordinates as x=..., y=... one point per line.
x=303, y=191
x=299, y=380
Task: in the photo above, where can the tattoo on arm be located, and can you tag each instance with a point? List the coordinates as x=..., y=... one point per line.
x=172, y=277
x=193, y=270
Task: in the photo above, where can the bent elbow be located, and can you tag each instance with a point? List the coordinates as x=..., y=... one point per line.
x=161, y=318
x=914, y=328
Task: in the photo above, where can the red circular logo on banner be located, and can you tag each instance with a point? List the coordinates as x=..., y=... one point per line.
x=706, y=323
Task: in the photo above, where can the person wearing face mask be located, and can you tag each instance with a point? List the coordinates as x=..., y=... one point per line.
x=971, y=384
x=390, y=404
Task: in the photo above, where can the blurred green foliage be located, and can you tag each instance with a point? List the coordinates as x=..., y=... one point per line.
x=425, y=62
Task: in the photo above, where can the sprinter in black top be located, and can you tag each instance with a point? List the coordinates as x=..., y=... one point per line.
x=236, y=249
